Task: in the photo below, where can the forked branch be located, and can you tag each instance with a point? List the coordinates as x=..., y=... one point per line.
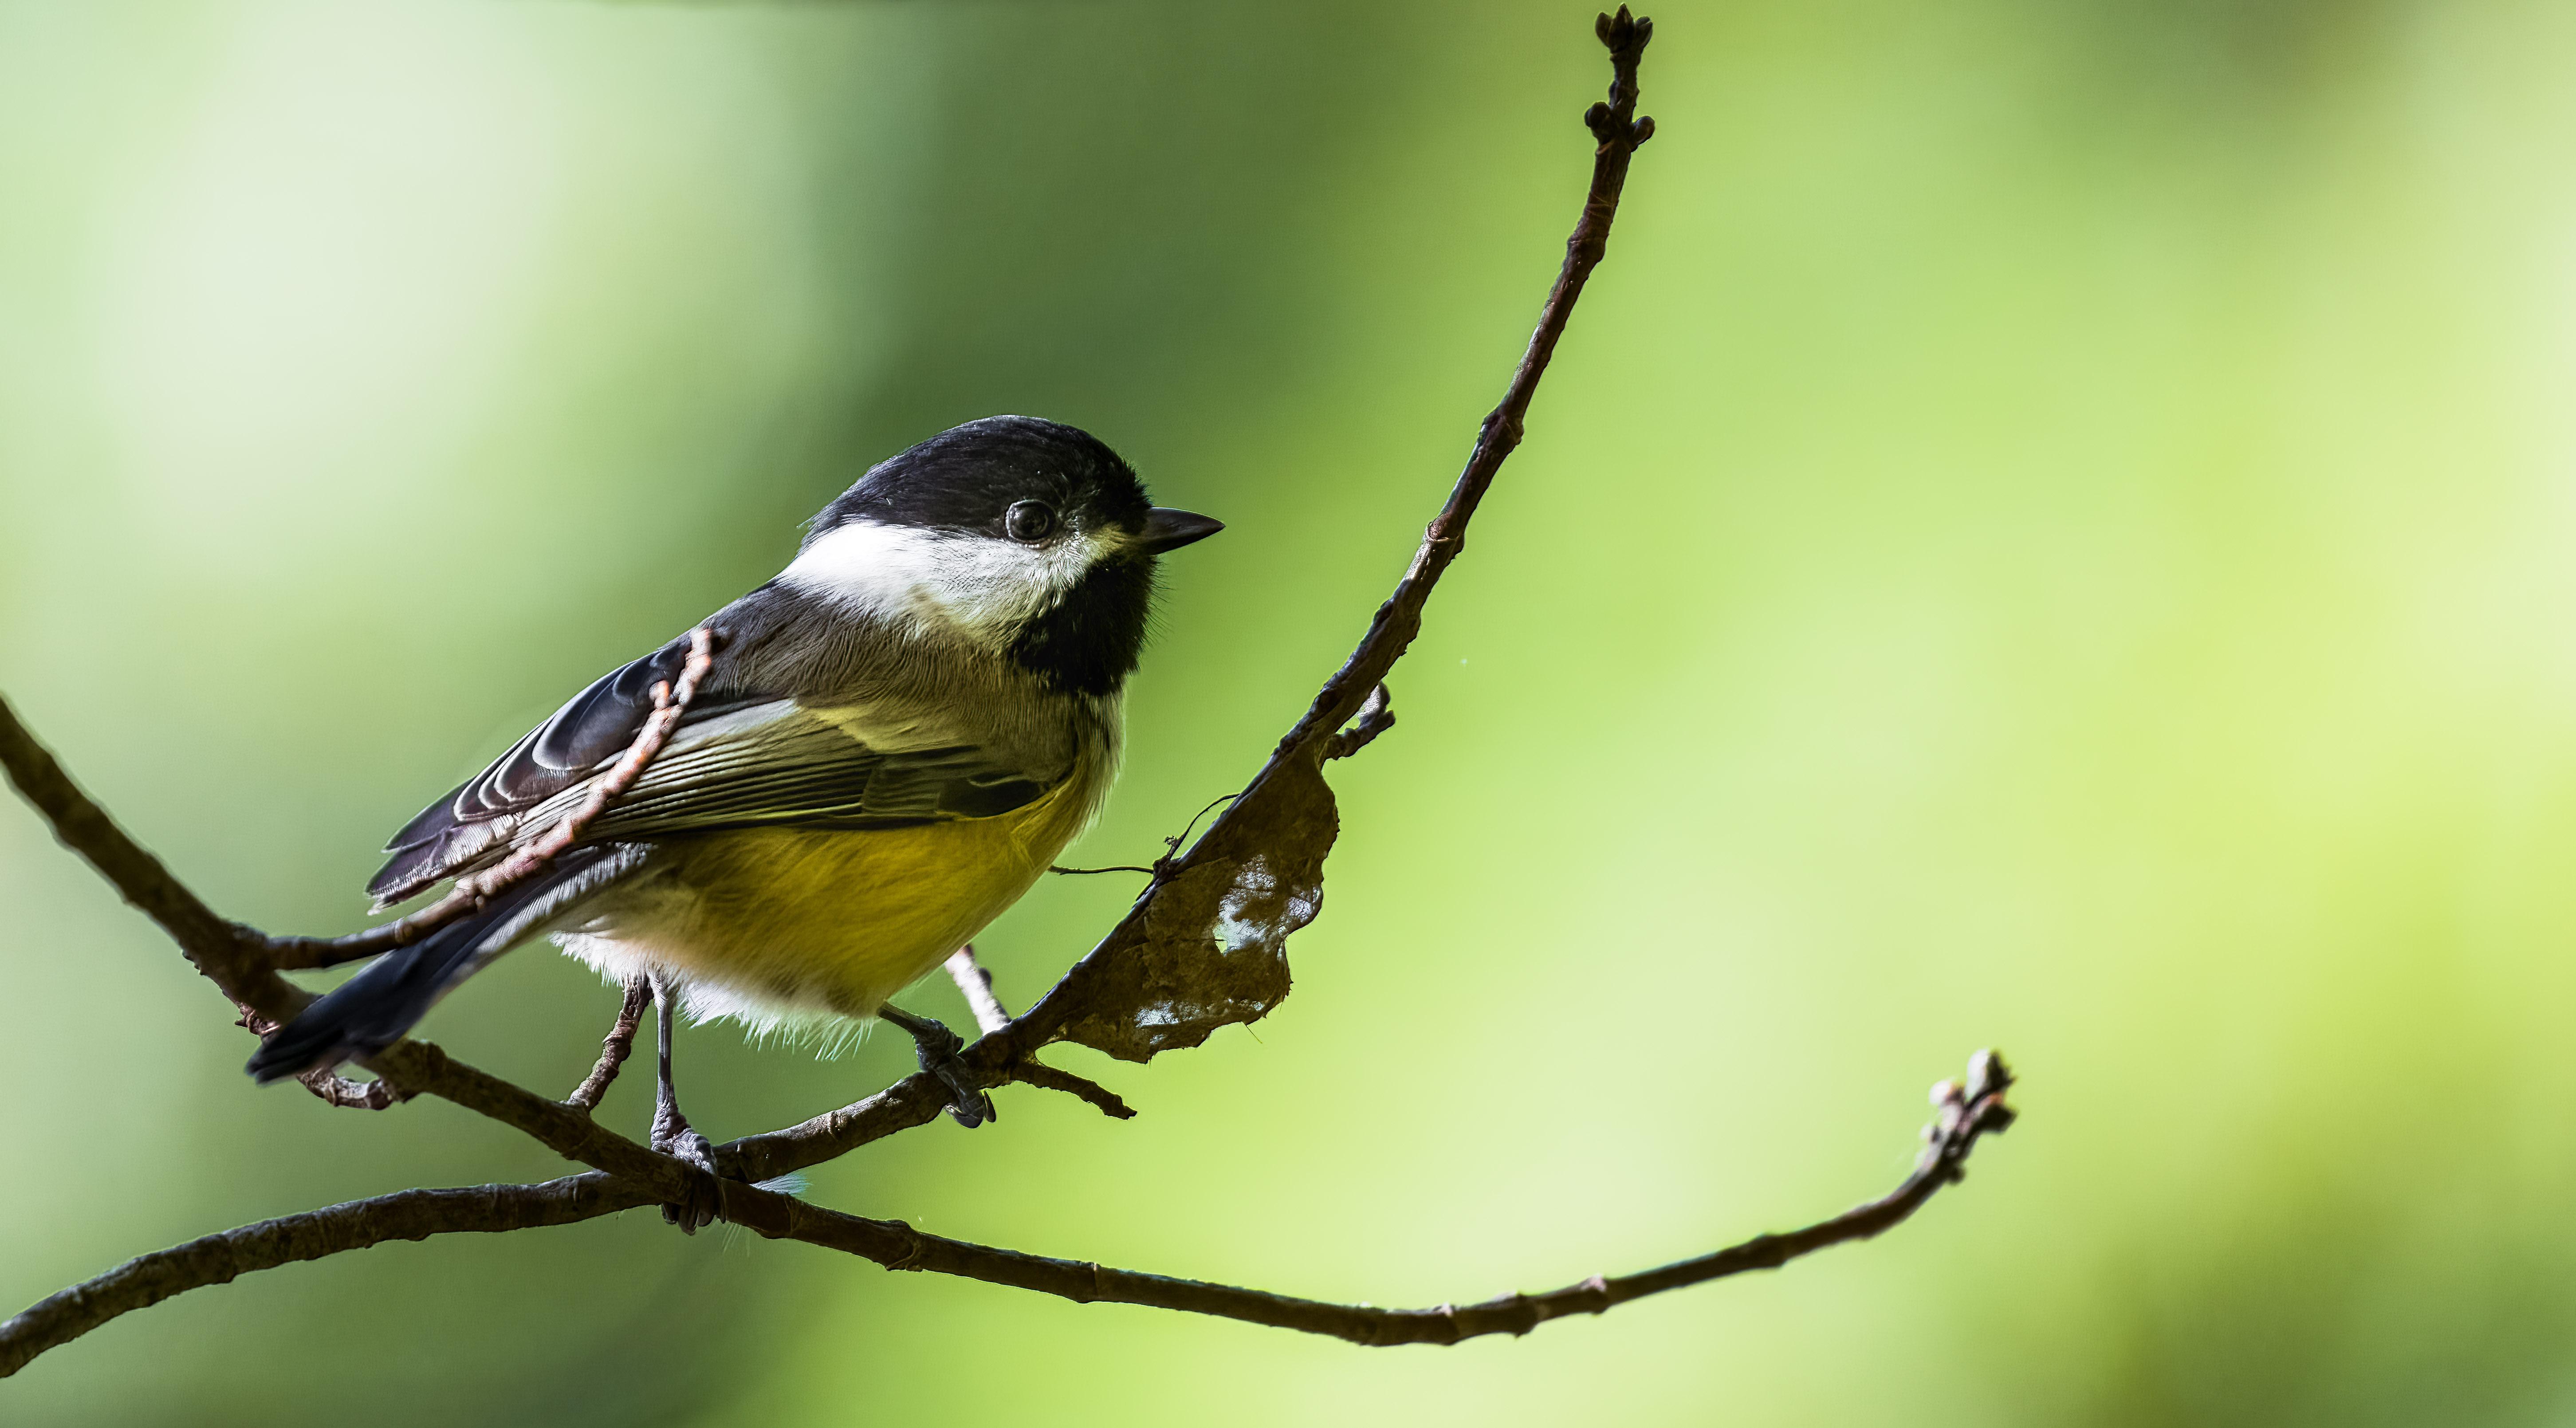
x=1349, y=711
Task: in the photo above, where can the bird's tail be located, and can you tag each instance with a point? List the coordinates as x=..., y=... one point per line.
x=373, y=1009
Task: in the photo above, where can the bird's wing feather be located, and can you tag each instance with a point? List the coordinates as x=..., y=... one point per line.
x=738, y=760
x=782, y=763
x=472, y=821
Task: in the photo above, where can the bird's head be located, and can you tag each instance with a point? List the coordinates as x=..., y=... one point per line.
x=1025, y=537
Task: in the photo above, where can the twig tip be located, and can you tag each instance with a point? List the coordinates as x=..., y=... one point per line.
x=1623, y=31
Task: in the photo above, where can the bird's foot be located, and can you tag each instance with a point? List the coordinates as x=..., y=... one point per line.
x=937, y=1047
x=673, y=1137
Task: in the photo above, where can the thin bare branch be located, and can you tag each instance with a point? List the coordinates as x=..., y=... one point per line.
x=916, y=1100
x=1271, y=799
x=1963, y=1114
x=144, y=1281
x=1034, y=1072
x=614, y=1048
x=421, y=1068
x=231, y=956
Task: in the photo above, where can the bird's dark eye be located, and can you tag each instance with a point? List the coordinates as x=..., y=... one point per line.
x=1030, y=521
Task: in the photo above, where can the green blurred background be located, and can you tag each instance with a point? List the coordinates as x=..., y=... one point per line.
x=2056, y=527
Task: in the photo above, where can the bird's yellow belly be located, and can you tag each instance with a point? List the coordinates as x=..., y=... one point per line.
x=772, y=922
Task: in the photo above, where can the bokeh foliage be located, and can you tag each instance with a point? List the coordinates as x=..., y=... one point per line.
x=2056, y=526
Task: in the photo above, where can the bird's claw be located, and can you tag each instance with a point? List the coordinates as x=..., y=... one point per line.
x=968, y=1103
x=936, y=1047
x=706, y=1198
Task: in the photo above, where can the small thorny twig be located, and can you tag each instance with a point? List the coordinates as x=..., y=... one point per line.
x=1349, y=711
x=1376, y=716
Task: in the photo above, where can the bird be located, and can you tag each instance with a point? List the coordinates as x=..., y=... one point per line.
x=894, y=739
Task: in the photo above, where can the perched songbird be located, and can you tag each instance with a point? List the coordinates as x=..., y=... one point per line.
x=897, y=736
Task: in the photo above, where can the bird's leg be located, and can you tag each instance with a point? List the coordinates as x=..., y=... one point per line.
x=977, y=986
x=671, y=1133
x=937, y=1047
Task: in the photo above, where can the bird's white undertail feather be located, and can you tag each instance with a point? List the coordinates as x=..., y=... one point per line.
x=765, y=1021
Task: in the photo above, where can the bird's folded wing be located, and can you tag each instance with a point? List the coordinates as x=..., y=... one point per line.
x=737, y=760
x=783, y=764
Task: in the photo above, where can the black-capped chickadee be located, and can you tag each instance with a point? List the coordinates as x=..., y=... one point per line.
x=896, y=738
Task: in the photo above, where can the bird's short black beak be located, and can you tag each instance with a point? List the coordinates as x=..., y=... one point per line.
x=1168, y=529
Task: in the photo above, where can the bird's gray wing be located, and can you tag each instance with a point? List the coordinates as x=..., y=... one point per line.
x=593, y=726
x=783, y=763
x=738, y=759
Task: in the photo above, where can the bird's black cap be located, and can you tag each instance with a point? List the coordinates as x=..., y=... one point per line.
x=968, y=477
x=1022, y=479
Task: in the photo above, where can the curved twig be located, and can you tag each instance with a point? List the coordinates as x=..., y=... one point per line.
x=226, y=953
x=1033, y=1072
x=614, y=1048
x=1964, y=1113
x=1616, y=132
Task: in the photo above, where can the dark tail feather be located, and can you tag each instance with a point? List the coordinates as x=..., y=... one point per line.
x=373, y=1009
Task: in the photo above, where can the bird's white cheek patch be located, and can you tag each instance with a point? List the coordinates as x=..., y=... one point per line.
x=868, y=567
x=980, y=583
